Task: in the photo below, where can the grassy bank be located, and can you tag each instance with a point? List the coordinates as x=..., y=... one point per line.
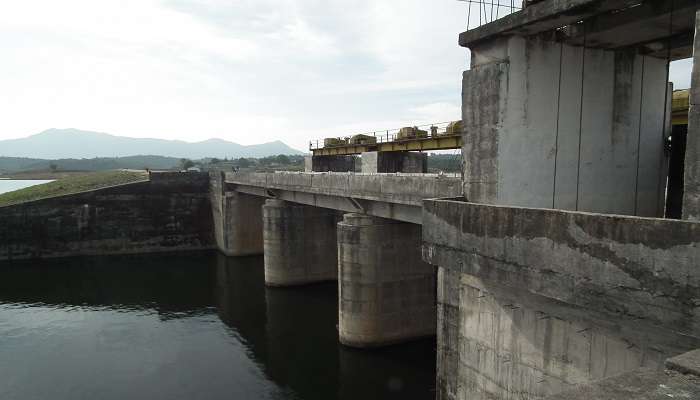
x=72, y=184
x=46, y=175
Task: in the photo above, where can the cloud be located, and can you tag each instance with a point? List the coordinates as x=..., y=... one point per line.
x=243, y=70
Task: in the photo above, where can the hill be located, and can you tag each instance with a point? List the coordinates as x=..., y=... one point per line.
x=73, y=143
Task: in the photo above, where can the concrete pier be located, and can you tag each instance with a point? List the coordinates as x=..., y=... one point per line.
x=239, y=229
x=300, y=243
x=395, y=161
x=386, y=292
x=329, y=163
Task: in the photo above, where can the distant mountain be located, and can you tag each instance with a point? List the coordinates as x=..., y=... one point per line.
x=73, y=143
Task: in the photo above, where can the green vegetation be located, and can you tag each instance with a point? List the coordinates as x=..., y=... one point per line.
x=73, y=184
x=186, y=163
x=450, y=163
x=280, y=162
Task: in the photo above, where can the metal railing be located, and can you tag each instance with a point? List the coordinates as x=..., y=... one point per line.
x=481, y=12
x=384, y=136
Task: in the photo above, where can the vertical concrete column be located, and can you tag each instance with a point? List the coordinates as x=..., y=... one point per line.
x=308, y=163
x=386, y=292
x=550, y=125
x=691, y=191
x=300, y=243
x=237, y=219
x=396, y=161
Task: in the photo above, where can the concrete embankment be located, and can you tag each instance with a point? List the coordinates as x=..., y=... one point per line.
x=170, y=212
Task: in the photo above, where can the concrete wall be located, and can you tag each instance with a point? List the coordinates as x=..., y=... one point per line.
x=386, y=292
x=171, y=212
x=300, y=243
x=691, y=194
x=395, y=161
x=237, y=219
x=533, y=301
x=547, y=126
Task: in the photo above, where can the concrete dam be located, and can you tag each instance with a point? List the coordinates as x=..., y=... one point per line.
x=551, y=269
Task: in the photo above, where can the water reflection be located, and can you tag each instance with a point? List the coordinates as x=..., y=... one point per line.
x=185, y=326
x=299, y=349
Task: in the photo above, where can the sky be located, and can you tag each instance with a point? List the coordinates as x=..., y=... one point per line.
x=248, y=71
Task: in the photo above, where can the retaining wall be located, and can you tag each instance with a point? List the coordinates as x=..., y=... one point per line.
x=171, y=212
x=532, y=302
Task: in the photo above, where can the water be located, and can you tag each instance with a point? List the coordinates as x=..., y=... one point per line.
x=193, y=326
x=10, y=185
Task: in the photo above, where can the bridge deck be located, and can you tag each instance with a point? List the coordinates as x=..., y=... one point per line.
x=393, y=196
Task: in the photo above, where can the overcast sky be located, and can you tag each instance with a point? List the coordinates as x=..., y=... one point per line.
x=248, y=71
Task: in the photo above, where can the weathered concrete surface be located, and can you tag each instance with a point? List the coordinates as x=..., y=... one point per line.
x=393, y=196
x=546, y=127
x=237, y=219
x=541, y=17
x=680, y=380
x=610, y=24
x=171, y=212
x=394, y=161
x=300, y=243
x=386, y=292
x=691, y=194
x=686, y=363
x=639, y=385
x=533, y=301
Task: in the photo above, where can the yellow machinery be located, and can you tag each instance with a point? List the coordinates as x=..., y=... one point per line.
x=362, y=139
x=331, y=142
x=411, y=133
x=405, y=139
x=454, y=128
x=679, y=109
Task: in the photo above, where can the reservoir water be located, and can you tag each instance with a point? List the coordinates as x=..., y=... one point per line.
x=10, y=185
x=186, y=326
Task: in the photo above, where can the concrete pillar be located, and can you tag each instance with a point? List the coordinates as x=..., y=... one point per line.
x=308, y=163
x=330, y=163
x=300, y=243
x=691, y=190
x=237, y=219
x=395, y=161
x=553, y=126
x=386, y=292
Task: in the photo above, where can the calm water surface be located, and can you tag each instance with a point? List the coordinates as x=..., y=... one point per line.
x=193, y=326
x=9, y=185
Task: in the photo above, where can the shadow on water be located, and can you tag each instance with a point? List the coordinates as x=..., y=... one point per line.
x=173, y=285
x=292, y=333
x=288, y=334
